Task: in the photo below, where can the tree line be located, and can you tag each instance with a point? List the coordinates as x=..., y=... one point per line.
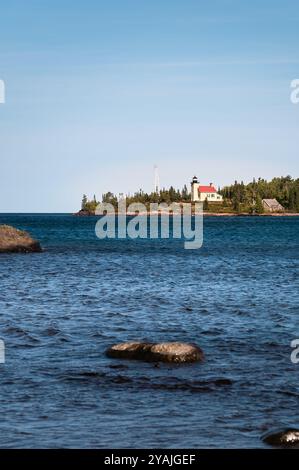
x=238, y=197
x=249, y=196
x=163, y=196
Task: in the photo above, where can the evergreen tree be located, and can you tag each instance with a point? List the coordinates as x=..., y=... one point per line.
x=259, y=208
x=184, y=193
x=297, y=199
x=84, y=202
x=206, y=204
x=236, y=204
x=109, y=198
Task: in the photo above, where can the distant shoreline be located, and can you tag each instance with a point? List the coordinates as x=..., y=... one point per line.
x=245, y=214
x=205, y=214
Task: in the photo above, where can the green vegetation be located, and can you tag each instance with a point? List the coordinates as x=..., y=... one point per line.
x=165, y=195
x=206, y=205
x=248, y=198
x=237, y=198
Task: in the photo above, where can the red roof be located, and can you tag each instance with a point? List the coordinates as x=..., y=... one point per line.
x=207, y=189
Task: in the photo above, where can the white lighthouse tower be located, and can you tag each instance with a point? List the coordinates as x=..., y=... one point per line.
x=194, y=189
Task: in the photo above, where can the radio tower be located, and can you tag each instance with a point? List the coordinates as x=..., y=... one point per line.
x=156, y=180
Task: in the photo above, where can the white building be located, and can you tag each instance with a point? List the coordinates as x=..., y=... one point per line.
x=201, y=193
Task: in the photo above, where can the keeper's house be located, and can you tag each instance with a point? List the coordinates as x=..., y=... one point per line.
x=201, y=193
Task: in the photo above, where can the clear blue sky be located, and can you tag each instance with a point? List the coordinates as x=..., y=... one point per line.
x=97, y=92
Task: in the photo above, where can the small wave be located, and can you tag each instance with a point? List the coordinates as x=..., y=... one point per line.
x=145, y=382
x=52, y=331
x=23, y=334
x=289, y=393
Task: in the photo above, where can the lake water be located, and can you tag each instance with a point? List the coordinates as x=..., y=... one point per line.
x=237, y=298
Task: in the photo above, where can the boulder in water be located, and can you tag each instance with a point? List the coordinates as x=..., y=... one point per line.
x=288, y=437
x=13, y=240
x=157, y=352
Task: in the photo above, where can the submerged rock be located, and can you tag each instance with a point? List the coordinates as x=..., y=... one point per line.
x=13, y=240
x=288, y=437
x=160, y=352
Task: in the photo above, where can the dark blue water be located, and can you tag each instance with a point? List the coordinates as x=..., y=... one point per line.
x=237, y=298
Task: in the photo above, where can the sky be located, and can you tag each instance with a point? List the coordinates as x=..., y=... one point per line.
x=98, y=92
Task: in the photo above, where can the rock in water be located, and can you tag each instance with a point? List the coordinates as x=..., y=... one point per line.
x=288, y=437
x=13, y=240
x=160, y=352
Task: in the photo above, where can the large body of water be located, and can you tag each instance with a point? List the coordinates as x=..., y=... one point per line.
x=237, y=298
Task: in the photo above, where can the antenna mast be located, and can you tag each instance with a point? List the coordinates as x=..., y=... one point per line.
x=156, y=180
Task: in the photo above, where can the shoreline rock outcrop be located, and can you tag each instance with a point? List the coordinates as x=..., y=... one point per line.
x=84, y=213
x=13, y=240
x=288, y=437
x=174, y=352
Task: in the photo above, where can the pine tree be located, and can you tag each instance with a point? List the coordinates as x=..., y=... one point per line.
x=84, y=202
x=297, y=199
x=236, y=204
x=259, y=208
x=206, y=205
x=184, y=192
x=292, y=199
